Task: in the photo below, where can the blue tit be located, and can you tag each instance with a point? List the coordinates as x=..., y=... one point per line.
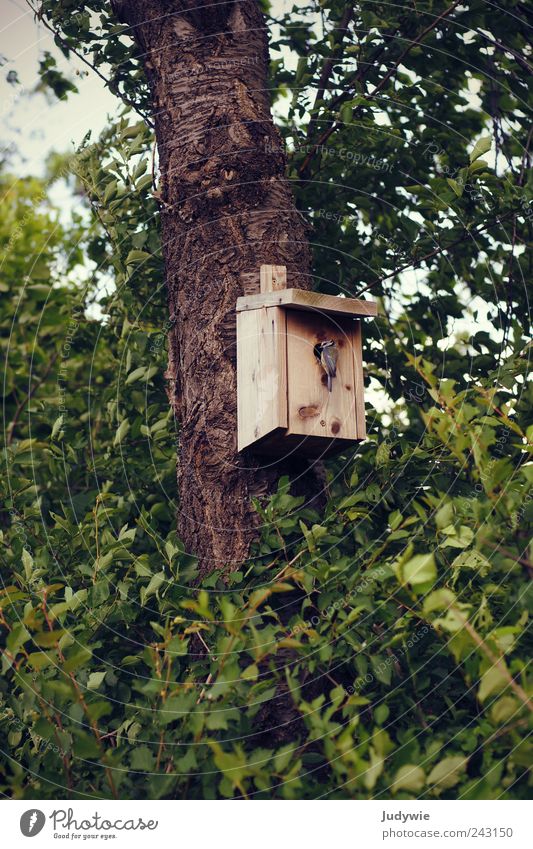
x=328, y=360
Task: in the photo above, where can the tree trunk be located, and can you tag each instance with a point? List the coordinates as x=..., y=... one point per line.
x=226, y=208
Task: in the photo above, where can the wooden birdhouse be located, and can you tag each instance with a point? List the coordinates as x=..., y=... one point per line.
x=283, y=400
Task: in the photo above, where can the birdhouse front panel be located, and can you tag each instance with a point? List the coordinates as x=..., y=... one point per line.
x=314, y=410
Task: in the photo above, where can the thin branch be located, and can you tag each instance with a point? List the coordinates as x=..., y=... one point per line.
x=512, y=556
x=503, y=48
x=520, y=723
x=496, y=661
x=329, y=64
x=435, y=252
x=30, y=394
x=360, y=74
x=508, y=291
x=525, y=159
x=392, y=70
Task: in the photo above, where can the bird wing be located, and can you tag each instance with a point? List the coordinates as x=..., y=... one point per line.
x=330, y=355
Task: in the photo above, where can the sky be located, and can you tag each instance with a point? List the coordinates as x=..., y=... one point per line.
x=35, y=125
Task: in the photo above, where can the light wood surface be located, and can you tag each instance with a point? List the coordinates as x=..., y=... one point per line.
x=312, y=409
x=359, y=384
x=299, y=299
x=272, y=278
x=261, y=374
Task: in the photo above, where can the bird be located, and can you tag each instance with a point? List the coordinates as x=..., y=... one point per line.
x=327, y=354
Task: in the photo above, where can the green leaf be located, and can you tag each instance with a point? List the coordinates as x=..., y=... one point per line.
x=135, y=374
x=409, y=777
x=479, y=165
x=48, y=638
x=504, y=709
x=142, y=759
x=95, y=680
x=458, y=539
x=482, y=146
x=420, y=572
x=85, y=746
x=121, y=432
x=177, y=647
x=27, y=562
x=155, y=583
x=447, y=773
x=44, y=728
x=144, y=182
x=40, y=660
x=130, y=132
x=472, y=560
x=283, y=757
x=77, y=660
x=96, y=710
x=134, y=257
x=140, y=168
x=494, y=680
x=382, y=668
x=458, y=189
x=16, y=638
x=250, y=673
x=301, y=68
x=444, y=515
x=56, y=427
x=110, y=191
x=346, y=113
x=438, y=600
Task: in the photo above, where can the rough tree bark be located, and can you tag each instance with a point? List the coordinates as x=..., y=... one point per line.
x=226, y=208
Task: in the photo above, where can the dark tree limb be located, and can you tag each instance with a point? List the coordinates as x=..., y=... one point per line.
x=382, y=83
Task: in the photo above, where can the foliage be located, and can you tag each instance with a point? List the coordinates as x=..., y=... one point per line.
x=377, y=648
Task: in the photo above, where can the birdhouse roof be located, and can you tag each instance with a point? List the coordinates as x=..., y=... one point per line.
x=300, y=299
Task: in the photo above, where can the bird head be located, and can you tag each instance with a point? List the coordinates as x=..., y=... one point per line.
x=319, y=347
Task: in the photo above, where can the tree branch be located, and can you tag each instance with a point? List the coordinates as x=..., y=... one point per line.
x=329, y=64
x=392, y=70
x=439, y=250
x=25, y=400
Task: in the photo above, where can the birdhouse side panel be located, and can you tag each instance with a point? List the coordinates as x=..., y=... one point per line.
x=261, y=374
x=359, y=380
x=312, y=409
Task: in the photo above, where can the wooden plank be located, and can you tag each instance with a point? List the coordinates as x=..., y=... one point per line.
x=261, y=374
x=299, y=299
x=272, y=278
x=312, y=410
x=359, y=380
